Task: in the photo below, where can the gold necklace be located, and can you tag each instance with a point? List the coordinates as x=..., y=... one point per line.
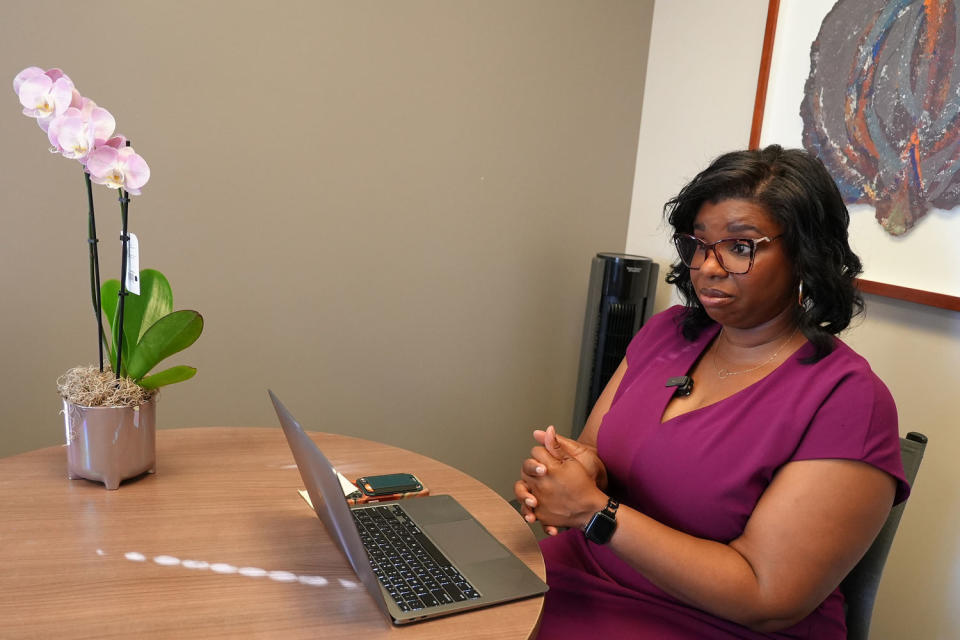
x=726, y=373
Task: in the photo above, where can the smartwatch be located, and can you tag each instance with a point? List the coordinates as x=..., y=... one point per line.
x=603, y=523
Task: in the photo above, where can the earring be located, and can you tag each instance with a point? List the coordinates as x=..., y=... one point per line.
x=800, y=294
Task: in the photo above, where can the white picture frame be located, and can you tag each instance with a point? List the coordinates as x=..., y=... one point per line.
x=919, y=266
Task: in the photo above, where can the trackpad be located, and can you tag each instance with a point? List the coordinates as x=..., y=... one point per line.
x=466, y=542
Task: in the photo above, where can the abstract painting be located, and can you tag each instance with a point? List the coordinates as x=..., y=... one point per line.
x=872, y=88
x=881, y=106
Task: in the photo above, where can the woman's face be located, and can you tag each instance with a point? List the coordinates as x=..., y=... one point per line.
x=749, y=299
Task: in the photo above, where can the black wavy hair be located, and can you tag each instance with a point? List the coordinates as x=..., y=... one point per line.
x=795, y=188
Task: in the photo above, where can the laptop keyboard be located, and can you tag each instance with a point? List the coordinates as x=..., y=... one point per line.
x=412, y=570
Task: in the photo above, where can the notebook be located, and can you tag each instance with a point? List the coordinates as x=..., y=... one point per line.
x=418, y=558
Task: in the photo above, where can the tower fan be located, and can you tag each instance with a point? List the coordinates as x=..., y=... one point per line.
x=619, y=300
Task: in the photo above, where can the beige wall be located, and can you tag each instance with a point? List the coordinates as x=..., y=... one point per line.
x=698, y=99
x=385, y=211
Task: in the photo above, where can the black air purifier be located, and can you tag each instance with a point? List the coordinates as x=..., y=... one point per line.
x=619, y=300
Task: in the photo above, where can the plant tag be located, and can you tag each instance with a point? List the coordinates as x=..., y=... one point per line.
x=133, y=265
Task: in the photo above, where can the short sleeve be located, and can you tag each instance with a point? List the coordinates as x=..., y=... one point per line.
x=857, y=420
x=660, y=327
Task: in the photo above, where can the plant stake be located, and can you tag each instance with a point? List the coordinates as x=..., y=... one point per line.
x=124, y=199
x=94, y=267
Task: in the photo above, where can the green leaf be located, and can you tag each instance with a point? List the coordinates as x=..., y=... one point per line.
x=109, y=294
x=139, y=311
x=168, y=376
x=154, y=302
x=172, y=333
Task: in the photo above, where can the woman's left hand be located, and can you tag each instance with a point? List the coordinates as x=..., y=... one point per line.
x=560, y=447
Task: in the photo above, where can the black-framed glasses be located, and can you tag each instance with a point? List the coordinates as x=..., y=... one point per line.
x=735, y=255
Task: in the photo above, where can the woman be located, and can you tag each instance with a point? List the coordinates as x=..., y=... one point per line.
x=743, y=504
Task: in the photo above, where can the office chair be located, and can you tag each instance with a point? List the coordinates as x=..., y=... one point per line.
x=860, y=586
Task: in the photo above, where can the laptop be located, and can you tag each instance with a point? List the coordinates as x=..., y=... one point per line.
x=418, y=558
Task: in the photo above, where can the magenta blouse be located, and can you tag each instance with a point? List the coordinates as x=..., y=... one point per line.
x=704, y=471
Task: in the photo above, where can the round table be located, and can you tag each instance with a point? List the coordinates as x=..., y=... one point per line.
x=217, y=544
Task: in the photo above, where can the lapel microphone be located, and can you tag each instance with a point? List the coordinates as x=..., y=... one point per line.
x=684, y=385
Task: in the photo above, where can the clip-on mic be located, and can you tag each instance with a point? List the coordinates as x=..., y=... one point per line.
x=684, y=385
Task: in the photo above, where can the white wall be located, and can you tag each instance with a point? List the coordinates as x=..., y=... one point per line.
x=698, y=101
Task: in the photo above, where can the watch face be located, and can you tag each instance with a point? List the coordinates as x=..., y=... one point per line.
x=601, y=528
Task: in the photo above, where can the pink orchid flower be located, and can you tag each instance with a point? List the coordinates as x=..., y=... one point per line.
x=116, y=141
x=44, y=95
x=27, y=73
x=54, y=74
x=77, y=131
x=118, y=168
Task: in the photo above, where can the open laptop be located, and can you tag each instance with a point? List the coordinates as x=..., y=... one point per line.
x=444, y=562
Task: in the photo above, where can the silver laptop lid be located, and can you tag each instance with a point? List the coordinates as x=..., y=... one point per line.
x=322, y=484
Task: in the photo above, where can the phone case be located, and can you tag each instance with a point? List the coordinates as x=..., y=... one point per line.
x=364, y=499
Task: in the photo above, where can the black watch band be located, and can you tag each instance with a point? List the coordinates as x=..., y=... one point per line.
x=603, y=523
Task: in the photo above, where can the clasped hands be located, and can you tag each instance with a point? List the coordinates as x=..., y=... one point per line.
x=562, y=483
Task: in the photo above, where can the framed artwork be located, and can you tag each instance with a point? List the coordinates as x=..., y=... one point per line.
x=872, y=87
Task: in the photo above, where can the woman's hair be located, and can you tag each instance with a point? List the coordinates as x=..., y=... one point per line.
x=796, y=190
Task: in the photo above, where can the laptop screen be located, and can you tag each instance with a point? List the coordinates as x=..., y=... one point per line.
x=322, y=484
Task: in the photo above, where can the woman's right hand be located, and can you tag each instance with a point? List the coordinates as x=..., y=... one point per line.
x=560, y=448
x=528, y=502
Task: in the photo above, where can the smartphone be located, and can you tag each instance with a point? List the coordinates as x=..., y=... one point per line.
x=391, y=484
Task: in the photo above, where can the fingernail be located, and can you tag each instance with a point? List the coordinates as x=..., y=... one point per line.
x=541, y=470
x=529, y=517
x=530, y=502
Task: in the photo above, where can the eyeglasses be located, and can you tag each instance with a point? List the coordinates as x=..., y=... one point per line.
x=735, y=255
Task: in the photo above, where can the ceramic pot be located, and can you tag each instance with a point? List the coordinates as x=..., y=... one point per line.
x=110, y=444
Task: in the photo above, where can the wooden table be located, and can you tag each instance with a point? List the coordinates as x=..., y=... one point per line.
x=216, y=544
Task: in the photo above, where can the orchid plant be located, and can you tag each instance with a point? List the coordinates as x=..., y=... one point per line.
x=78, y=129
